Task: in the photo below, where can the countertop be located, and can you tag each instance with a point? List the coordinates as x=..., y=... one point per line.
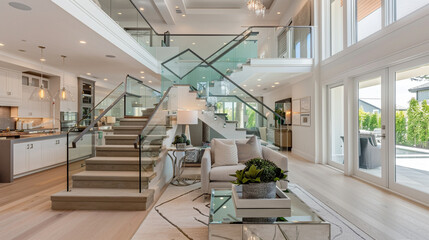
x=34, y=137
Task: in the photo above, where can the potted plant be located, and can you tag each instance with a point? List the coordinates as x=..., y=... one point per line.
x=258, y=178
x=181, y=141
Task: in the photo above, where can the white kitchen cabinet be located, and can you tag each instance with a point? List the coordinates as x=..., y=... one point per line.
x=10, y=88
x=20, y=158
x=38, y=154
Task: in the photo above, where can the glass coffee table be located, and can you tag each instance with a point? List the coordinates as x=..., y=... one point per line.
x=303, y=223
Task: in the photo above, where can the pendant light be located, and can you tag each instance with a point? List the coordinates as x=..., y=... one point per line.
x=40, y=93
x=64, y=94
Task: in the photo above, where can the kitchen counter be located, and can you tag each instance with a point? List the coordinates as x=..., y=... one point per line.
x=26, y=137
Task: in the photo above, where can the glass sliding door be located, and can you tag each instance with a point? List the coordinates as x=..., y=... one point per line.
x=336, y=126
x=410, y=155
x=371, y=147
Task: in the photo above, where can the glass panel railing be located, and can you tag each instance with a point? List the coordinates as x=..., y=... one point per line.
x=250, y=112
x=139, y=97
x=149, y=140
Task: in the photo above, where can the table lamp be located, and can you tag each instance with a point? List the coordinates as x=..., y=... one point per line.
x=187, y=118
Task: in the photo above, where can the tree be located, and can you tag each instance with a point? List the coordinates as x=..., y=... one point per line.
x=401, y=128
x=424, y=123
x=413, y=122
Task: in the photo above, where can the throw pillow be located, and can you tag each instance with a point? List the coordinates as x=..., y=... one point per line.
x=248, y=150
x=213, y=146
x=226, y=154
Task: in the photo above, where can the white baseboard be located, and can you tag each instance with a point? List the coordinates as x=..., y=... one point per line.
x=303, y=155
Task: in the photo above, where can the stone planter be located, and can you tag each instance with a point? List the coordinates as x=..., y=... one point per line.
x=180, y=146
x=259, y=190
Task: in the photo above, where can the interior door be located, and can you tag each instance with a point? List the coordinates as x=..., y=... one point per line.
x=370, y=133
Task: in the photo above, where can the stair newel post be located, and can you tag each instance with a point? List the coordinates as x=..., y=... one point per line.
x=68, y=181
x=140, y=163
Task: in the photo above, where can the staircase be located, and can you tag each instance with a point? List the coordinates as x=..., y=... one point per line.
x=111, y=178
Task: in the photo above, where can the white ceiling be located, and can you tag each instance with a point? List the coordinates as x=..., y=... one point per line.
x=50, y=26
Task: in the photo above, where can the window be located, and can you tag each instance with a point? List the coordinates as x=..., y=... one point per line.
x=368, y=17
x=405, y=7
x=336, y=26
x=336, y=125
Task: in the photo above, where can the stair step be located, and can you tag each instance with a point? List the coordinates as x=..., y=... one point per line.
x=127, y=151
x=241, y=129
x=129, y=139
x=138, y=122
x=221, y=114
x=120, y=160
x=228, y=121
x=111, y=179
x=103, y=199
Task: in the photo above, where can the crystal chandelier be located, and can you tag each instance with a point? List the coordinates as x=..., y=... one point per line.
x=257, y=7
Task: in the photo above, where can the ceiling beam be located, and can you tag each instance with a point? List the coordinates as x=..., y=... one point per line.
x=165, y=11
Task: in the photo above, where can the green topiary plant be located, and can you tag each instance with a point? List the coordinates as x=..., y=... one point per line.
x=259, y=170
x=181, y=139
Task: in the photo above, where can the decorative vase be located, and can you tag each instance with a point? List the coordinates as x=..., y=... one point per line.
x=180, y=146
x=259, y=190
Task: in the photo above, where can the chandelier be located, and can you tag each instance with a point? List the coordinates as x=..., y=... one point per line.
x=257, y=7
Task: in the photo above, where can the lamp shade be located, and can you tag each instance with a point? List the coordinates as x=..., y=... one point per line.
x=187, y=117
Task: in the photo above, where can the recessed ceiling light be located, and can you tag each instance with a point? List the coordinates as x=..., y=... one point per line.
x=183, y=15
x=258, y=85
x=20, y=6
x=251, y=90
x=141, y=9
x=171, y=40
x=276, y=83
x=259, y=79
x=105, y=79
x=193, y=43
x=273, y=86
x=119, y=13
x=110, y=56
x=43, y=60
x=224, y=43
x=1, y=45
x=82, y=42
x=150, y=81
x=278, y=13
x=142, y=77
x=89, y=74
x=141, y=71
x=244, y=85
x=177, y=7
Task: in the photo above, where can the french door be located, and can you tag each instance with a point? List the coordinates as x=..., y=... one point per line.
x=391, y=128
x=370, y=151
x=336, y=126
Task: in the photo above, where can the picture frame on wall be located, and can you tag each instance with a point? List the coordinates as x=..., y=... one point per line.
x=306, y=105
x=296, y=114
x=305, y=120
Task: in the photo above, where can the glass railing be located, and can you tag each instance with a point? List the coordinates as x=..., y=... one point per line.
x=220, y=91
x=139, y=97
x=129, y=99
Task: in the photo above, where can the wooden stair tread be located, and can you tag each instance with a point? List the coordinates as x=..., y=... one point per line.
x=120, y=160
x=103, y=194
x=241, y=129
x=113, y=175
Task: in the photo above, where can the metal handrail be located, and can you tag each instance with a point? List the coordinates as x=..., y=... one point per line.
x=150, y=118
x=227, y=78
x=141, y=82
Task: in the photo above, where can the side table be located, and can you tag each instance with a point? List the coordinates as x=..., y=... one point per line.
x=179, y=165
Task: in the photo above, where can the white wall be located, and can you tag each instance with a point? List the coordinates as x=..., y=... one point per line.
x=303, y=138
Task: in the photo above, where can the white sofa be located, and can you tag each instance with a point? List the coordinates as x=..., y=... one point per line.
x=219, y=177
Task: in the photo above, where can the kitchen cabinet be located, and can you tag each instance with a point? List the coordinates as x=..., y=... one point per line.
x=10, y=88
x=38, y=154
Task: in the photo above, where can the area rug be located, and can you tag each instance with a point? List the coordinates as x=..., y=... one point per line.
x=182, y=213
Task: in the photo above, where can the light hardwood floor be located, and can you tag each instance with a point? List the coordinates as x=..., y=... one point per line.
x=25, y=207
x=380, y=213
x=25, y=212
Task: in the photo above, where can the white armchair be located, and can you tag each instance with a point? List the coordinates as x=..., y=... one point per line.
x=219, y=177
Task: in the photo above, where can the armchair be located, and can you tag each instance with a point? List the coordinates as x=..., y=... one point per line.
x=219, y=177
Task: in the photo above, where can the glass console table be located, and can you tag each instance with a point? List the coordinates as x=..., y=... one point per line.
x=302, y=224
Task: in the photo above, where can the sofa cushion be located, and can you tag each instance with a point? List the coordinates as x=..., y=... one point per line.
x=222, y=173
x=213, y=146
x=248, y=150
x=225, y=154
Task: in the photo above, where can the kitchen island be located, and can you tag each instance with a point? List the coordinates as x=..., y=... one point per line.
x=31, y=153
